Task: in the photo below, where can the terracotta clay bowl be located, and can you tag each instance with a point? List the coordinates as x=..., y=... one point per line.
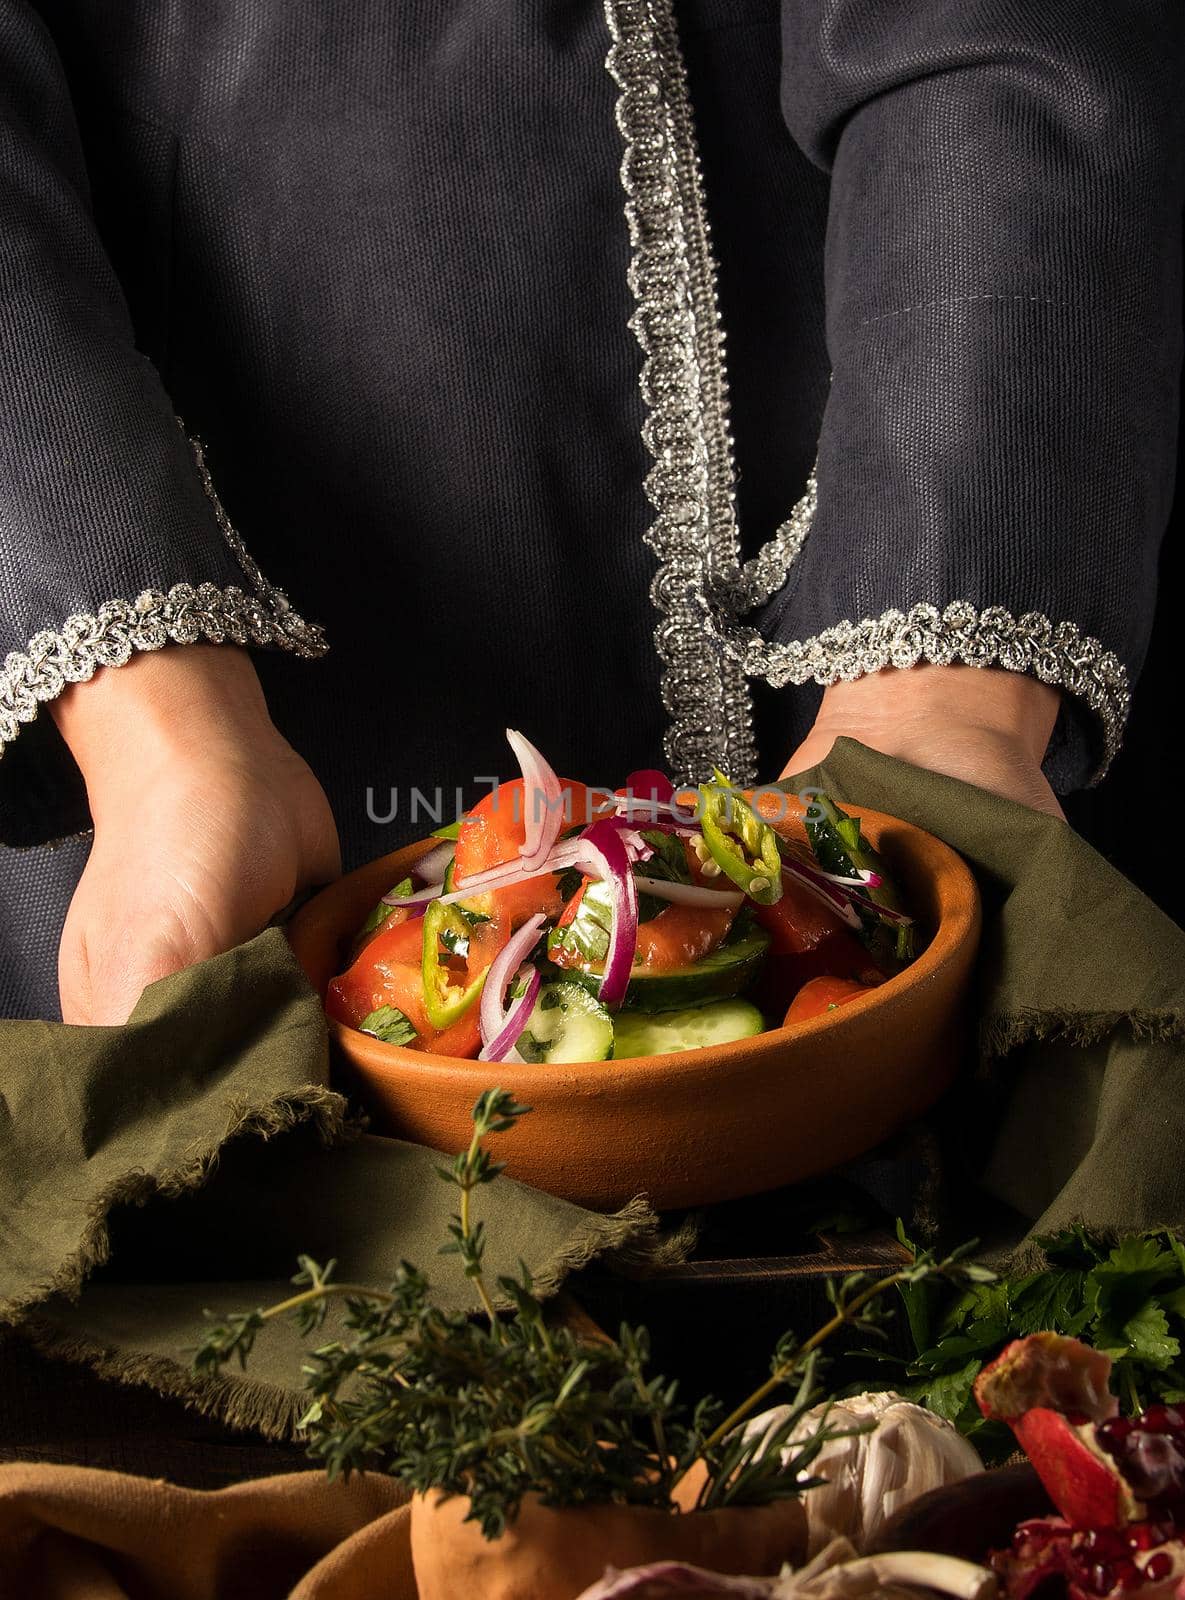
x=702, y=1125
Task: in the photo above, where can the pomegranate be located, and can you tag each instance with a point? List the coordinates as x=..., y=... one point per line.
x=1119, y=1483
x=1089, y=1564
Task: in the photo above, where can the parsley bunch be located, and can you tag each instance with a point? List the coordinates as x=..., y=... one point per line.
x=1127, y=1299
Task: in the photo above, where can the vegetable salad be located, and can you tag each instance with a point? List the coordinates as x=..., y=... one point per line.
x=556, y=922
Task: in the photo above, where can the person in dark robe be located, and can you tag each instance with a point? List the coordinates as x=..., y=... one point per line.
x=364, y=388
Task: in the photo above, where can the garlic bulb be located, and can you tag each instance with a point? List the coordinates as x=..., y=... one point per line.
x=869, y=1476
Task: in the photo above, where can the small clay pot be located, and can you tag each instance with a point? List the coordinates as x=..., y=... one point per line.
x=550, y=1554
x=699, y=1126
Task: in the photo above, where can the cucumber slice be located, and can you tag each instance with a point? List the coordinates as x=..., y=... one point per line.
x=639, y=1033
x=730, y=968
x=567, y=1024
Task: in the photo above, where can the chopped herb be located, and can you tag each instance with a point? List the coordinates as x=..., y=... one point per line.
x=839, y=846
x=382, y=911
x=455, y=943
x=669, y=861
x=569, y=882
x=1127, y=1299
x=389, y=1024
x=471, y=917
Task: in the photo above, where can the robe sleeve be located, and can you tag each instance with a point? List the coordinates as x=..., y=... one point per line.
x=111, y=538
x=1003, y=275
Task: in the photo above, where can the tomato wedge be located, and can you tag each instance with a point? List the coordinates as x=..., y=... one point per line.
x=388, y=972
x=821, y=995
x=799, y=920
x=493, y=833
x=675, y=938
x=679, y=936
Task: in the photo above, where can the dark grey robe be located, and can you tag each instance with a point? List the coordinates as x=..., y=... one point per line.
x=376, y=256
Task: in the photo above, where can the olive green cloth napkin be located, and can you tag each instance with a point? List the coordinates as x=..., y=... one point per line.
x=1077, y=1109
x=186, y=1160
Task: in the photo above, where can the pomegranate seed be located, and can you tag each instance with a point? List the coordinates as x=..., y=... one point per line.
x=1102, y=1578
x=1158, y=1566
x=1162, y=1419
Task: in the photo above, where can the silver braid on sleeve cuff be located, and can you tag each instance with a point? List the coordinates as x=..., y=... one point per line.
x=702, y=587
x=185, y=614
x=957, y=635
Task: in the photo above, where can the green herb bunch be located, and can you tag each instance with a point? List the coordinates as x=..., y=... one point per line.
x=1126, y=1298
x=504, y=1405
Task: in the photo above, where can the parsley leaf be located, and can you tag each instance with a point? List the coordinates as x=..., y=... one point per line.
x=382, y=911
x=669, y=861
x=455, y=943
x=389, y=1024
x=1126, y=1298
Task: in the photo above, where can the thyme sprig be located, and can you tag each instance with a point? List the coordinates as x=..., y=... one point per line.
x=497, y=1406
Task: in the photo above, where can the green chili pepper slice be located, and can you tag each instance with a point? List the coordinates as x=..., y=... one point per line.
x=446, y=934
x=744, y=847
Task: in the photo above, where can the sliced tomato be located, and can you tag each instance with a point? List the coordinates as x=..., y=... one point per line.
x=799, y=921
x=674, y=938
x=568, y=914
x=388, y=973
x=839, y=955
x=395, y=916
x=679, y=936
x=493, y=833
x=821, y=995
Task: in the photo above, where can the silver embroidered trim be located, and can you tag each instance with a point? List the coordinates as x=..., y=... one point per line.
x=701, y=587
x=677, y=324
x=1056, y=652
x=186, y=614
x=764, y=574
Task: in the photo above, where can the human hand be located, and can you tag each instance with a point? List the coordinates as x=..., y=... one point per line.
x=983, y=725
x=207, y=822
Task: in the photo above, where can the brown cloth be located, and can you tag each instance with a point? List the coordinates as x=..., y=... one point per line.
x=71, y=1533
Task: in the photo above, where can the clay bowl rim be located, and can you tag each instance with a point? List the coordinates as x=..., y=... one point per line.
x=955, y=926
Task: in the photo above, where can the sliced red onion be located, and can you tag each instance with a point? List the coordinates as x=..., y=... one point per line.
x=886, y=913
x=430, y=868
x=677, y=1578
x=501, y=1046
x=839, y=892
x=603, y=855
x=862, y=880
x=824, y=891
x=690, y=894
x=492, y=1017
x=636, y=847
x=543, y=801
x=504, y=877
x=420, y=896
x=654, y=813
